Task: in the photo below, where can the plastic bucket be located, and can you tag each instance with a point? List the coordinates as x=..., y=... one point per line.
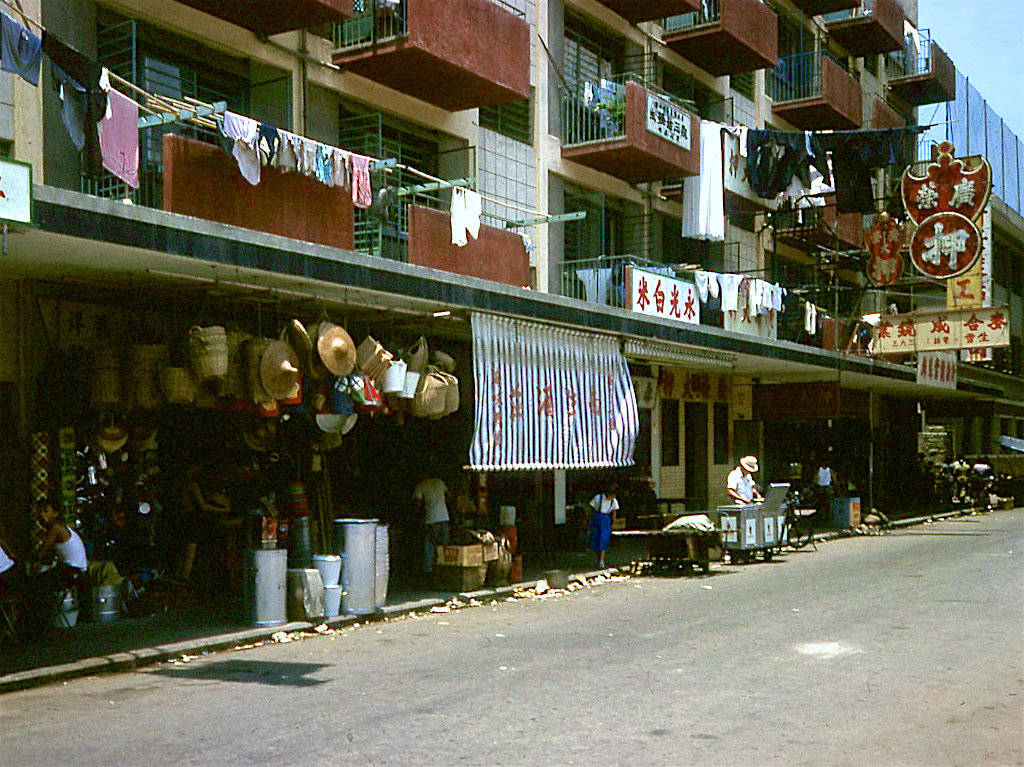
x=359, y=569
x=106, y=604
x=329, y=566
x=67, y=611
x=332, y=601
x=263, y=588
x=394, y=378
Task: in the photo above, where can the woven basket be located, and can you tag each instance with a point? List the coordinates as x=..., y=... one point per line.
x=177, y=385
x=234, y=382
x=106, y=380
x=253, y=355
x=208, y=352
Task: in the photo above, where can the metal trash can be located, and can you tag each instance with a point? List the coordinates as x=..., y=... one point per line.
x=264, y=587
x=383, y=567
x=106, y=604
x=359, y=568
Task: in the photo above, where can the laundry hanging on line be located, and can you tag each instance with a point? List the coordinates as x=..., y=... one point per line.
x=466, y=208
x=21, y=51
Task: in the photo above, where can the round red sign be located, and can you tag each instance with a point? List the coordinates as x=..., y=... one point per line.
x=945, y=245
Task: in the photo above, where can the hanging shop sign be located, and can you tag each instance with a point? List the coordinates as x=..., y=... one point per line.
x=15, y=192
x=667, y=120
x=884, y=240
x=646, y=389
x=973, y=288
x=549, y=398
x=945, y=203
x=659, y=295
x=947, y=330
x=937, y=369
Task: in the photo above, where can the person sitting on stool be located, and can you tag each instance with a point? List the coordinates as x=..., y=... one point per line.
x=740, y=484
x=60, y=540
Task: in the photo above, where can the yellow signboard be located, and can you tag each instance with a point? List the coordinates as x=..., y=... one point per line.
x=947, y=330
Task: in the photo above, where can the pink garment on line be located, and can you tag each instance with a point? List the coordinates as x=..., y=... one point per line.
x=362, y=194
x=119, y=138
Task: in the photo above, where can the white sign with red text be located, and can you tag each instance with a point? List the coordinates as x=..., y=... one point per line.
x=937, y=369
x=658, y=295
x=15, y=192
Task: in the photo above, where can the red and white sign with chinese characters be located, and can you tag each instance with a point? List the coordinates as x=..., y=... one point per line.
x=658, y=295
x=947, y=330
x=752, y=322
x=884, y=241
x=937, y=369
x=15, y=192
x=945, y=203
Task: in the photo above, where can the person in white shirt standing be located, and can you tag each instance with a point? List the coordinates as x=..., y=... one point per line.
x=431, y=497
x=740, y=483
x=824, y=493
x=604, y=505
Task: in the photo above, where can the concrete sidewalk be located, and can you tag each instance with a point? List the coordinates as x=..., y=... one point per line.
x=91, y=648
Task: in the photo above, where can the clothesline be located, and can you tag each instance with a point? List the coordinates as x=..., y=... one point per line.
x=16, y=7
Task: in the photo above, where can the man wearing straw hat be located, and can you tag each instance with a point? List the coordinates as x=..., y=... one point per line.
x=740, y=484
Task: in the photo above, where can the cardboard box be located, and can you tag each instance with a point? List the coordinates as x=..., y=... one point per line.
x=461, y=556
x=490, y=551
x=453, y=578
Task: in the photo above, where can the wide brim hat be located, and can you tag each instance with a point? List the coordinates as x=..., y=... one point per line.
x=111, y=438
x=279, y=369
x=300, y=341
x=330, y=422
x=349, y=423
x=749, y=463
x=336, y=349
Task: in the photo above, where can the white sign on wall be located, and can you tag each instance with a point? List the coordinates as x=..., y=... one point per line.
x=667, y=120
x=662, y=296
x=15, y=192
x=937, y=369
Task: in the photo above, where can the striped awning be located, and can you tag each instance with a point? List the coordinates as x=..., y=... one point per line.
x=549, y=398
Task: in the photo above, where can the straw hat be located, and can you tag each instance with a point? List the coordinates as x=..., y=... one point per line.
x=279, y=369
x=336, y=349
x=749, y=463
x=111, y=438
x=330, y=422
x=300, y=341
x=349, y=423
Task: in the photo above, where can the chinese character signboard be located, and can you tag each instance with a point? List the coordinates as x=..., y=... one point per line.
x=946, y=203
x=661, y=296
x=947, y=330
x=884, y=241
x=15, y=192
x=973, y=288
x=691, y=386
x=937, y=369
x=646, y=389
x=667, y=120
x=759, y=321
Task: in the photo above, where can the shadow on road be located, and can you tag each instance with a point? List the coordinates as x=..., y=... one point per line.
x=252, y=671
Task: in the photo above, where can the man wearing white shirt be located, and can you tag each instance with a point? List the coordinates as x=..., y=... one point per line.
x=431, y=497
x=739, y=485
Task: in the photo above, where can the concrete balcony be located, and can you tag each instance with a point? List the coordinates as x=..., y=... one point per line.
x=627, y=129
x=454, y=54
x=921, y=73
x=884, y=116
x=876, y=26
x=811, y=91
x=271, y=17
x=635, y=11
x=726, y=37
x=820, y=226
x=821, y=7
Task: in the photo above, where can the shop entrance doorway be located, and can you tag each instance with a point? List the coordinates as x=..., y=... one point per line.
x=695, y=453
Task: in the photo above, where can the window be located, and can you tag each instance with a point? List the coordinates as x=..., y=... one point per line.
x=670, y=432
x=589, y=53
x=512, y=120
x=743, y=84
x=721, y=427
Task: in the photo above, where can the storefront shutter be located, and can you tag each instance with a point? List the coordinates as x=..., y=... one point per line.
x=549, y=398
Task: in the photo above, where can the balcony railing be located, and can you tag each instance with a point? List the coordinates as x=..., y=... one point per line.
x=709, y=13
x=380, y=21
x=865, y=9
x=798, y=77
x=596, y=110
x=914, y=59
x=602, y=280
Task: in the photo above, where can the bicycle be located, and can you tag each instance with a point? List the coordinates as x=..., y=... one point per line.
x=798, y=529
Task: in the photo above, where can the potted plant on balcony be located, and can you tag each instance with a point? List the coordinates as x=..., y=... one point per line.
x=612, y=113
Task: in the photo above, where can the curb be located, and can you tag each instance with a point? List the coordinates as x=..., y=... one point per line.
x=146, y=656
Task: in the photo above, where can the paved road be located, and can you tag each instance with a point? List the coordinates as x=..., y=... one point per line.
x=903, y=649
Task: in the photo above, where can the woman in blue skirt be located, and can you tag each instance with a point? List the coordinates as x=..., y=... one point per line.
x=604, y=505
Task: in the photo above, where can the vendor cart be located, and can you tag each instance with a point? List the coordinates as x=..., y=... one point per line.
x=757, y=528
x=687, y=543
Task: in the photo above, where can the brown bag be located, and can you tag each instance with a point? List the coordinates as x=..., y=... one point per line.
x=417, y=356
x=452, y=402
x=431, y=396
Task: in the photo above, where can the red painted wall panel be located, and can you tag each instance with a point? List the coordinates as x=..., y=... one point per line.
x=497, y=254
x=202, y=180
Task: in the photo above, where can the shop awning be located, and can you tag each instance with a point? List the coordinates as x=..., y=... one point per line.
x=549, y=398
